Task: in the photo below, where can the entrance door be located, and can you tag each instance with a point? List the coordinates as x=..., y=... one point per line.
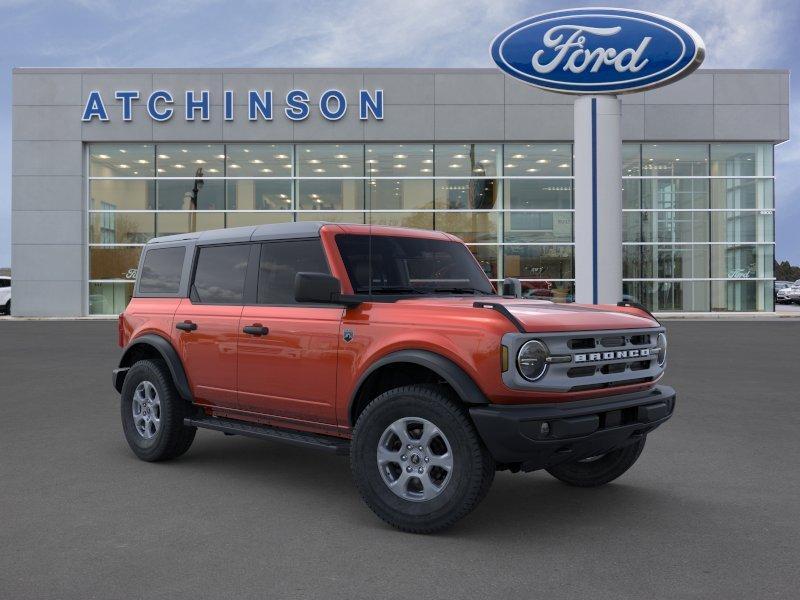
x=207, y=323
x=288, y=351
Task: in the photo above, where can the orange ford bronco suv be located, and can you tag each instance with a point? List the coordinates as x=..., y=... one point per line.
x=390, y=345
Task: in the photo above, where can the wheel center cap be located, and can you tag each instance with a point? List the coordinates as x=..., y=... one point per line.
x=415, y=459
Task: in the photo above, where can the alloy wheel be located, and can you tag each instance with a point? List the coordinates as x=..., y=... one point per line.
x=146, y=409
x=415, y=459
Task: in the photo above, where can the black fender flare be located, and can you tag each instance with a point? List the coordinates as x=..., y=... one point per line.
x=463, y=385
x=167, y=352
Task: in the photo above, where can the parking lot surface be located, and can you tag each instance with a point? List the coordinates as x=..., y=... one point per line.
x=711, y=510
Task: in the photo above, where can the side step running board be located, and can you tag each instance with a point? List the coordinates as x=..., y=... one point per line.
x=234, y=427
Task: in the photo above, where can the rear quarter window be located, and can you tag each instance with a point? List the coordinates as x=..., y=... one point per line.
x=161, y=271
x=220, y=274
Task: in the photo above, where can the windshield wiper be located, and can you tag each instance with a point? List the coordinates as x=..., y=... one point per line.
x=402, y=289
x=462, y=290
x=392, y=289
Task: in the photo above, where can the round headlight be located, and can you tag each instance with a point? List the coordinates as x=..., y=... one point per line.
x=531, y=360
x=661, y=344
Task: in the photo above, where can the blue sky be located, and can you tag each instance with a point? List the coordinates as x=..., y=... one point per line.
x=409, y=33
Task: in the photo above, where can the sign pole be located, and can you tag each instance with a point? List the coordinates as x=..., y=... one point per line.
x=598, y=200
x=598, y=52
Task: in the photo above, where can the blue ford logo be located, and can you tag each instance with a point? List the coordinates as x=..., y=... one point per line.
x=598, y=50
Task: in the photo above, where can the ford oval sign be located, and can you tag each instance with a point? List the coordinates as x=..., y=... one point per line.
x=598, y=50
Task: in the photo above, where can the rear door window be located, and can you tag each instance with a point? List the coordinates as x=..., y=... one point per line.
x=220, y=274
x=161, y=271
x=281, y=261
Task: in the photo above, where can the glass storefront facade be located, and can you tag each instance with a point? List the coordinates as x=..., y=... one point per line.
x=699, y=226
x=698, y=218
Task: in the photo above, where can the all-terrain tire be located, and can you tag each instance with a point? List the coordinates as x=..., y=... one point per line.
x=172, y=438
x=469, y=478
x=597, y=471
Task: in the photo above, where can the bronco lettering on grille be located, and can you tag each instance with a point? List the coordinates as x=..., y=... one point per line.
x=618, y=354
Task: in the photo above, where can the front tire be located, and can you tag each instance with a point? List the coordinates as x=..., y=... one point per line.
x=599, y=470
x=418, y=461
x=152, y=413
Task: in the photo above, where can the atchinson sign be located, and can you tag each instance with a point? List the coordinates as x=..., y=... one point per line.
x=598, y=50
x=160, y=105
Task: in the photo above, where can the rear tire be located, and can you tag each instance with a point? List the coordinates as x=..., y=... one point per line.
x=419, y=490
x=152, y=413
x=597, y=471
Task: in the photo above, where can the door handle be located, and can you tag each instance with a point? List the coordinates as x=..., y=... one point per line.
x=186, y=326
x=256, y=329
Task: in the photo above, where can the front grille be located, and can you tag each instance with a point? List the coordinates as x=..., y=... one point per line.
x=596, y=360
x=581, y=371
x=613, y=342
x=581, y=344
x=614, y=368
x=609, y=384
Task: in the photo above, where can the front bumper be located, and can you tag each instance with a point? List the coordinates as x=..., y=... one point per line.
x=538, y=436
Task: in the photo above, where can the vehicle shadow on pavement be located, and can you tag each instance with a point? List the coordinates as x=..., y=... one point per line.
x=538, y=505
x=518, y=504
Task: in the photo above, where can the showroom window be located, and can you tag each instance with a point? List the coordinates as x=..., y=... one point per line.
x=512, y=204
x=698, y=217
x=399, y=177
x=698, y=226
x=190, y=177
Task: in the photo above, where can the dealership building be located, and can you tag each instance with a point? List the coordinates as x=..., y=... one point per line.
x=105, y=159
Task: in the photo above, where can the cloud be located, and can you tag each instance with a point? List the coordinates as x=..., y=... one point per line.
x=737, y=33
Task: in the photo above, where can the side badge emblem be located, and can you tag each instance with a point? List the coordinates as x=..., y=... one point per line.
x=348, y=335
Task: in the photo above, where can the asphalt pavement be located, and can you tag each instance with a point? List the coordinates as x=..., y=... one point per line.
x=711, y=510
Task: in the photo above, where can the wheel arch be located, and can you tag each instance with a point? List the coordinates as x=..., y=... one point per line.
x=382, y=374
x=152, y=345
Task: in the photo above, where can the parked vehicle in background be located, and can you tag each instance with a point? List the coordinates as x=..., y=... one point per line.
x=5, y=295
x=389, y=345
x=780, y=291
x=791, y=294
x=541, y=290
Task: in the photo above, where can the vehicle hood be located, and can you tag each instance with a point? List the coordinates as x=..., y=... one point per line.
x=543, y=316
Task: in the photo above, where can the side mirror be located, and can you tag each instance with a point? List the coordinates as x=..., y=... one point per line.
x=320, y=288
x=512, y=287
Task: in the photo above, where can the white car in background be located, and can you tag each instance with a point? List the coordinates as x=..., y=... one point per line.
x=780, y=291
x=789, y=294
x=5, y=294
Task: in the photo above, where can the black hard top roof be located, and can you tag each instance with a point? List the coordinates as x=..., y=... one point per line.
x=273, y=231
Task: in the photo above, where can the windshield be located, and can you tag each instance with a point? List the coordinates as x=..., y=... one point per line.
x=407, y=265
